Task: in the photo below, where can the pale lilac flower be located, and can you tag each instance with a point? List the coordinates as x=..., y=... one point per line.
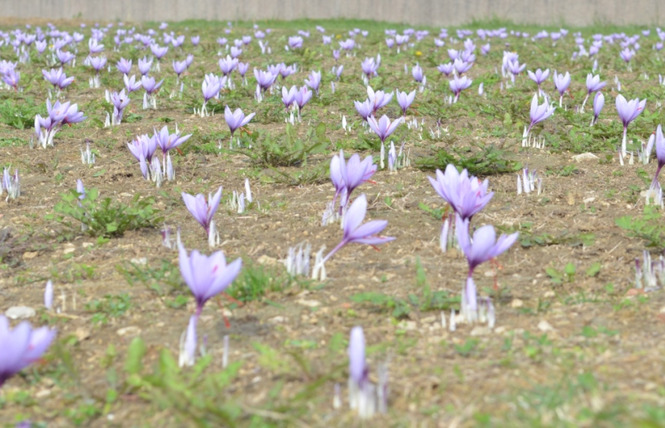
x=289, y=96
x=383, y=127
x=593, y=84
x=369, y=67
x=131, y=84
x=405, y=100
x=348, y=175
x=203, y=210
x=119, y=101
x=356, y=232
x=179, y=67
x=466, y=195
x=236, y=119
x=458, y=84
x=124, y=66
x=228, y=64
x=561, y=83
x=167, y=141
x=628, y=111
x=598, y=104
x=627, y=55
x=461, y=66
x=57, y=78
x=302, y=97
x=364, y=109
x=21, y=346
x=539, y=112
x=378, y=99
x=150, y=85
x=314, y=81
x=145, y=64
x=206, y=276
x=417, y=73
x=446, y=69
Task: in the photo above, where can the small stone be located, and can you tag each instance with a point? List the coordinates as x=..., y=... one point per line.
x=309, y=303
x=140, y=261
x=277, y=320
x=20, y=312
x=480, y=330
x=30, y=255
x=407, y=325
x=268, y=261
x=131, y=330
x=42, y=393
x=584, y=157
x=549, y=293
x=88, y=244
x=545, y=326
x=82, y=334
x=516, y=303
x=69, y=248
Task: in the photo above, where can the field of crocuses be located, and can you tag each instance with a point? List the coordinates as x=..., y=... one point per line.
x=336, y=223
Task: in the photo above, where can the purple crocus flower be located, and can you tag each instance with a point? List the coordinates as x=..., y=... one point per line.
x=628, y=111
x=598, y=104
x=348, y=175
x=64, y=56
x=356, y=232
x=627, y=55
x=302, y=97
x=561, y=83
x=539, y=112
x=446, y=69
x=143, y=148
x=660, y=154
x=264, y=79
x=378, y=99
x=593, y=84
x=227, y=65
x=236, y=119
x=202, y=210
x=57, y=78
x=417, y=73
x=461, y=66
x=405, y=100
x=369, y=67
x=167, y=141
x=179, y=67
x=289, y=96
x=150, y=85
x=515, y=68
x=383, y=127
x=466, y=195
x=206, y=276
x=131, y=84
x=364, y=109
x=21, y=346
x=96, y=62
x=210, y=87
x=195, y=40
x=539, y=76
x=483, y=247
x=314, y=81
x=124, y=66
x=159, y=51
x=358, y=370
x=458, y=84
x=119, y=101
x=145, y=64
x=11, y=78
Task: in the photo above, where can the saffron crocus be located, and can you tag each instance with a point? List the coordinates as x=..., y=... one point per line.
x=446, y=69
x=143, y=148
x=593, y=84
x=405, y=100
x=660, y=154
x=378, y=99
x=466, y=195
x=188, y=340
x=364, y=109
x=561, y=83
x=627, y=55
x=131, y=84
x=124, y=66
x=227, y=65
x=167, y=141
x=539, y=76
x=314, y=81
x=180, y=67
x=363, y=395
x=383, y=127
x=203, y=210
x=598, y=104
x=538, y=113
x=236, y=119
x=206, y=276
x=289, y=96
x=120, y=101
x=417, y=73
x=356, y=232
x=145, y=64
x=482, y=247
x=458, y=84
x=57, y=78
x=264, y=79
x=210, y=87
x=21, y=346
x=369, y=67
x=348, y=175
x=461, y=66
x=302, y=98
x=628, y=111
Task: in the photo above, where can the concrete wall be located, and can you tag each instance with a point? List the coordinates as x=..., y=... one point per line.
x=415, y=12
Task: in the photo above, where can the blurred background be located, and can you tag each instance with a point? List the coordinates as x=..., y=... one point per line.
x=414, y=12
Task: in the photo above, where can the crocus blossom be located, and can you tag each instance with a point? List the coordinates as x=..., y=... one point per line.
x=21, y=346
x=206, y=276
x=203, y=210
x=236, y=119
x=628, y=111
x=466, y=195
x=383, y=127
